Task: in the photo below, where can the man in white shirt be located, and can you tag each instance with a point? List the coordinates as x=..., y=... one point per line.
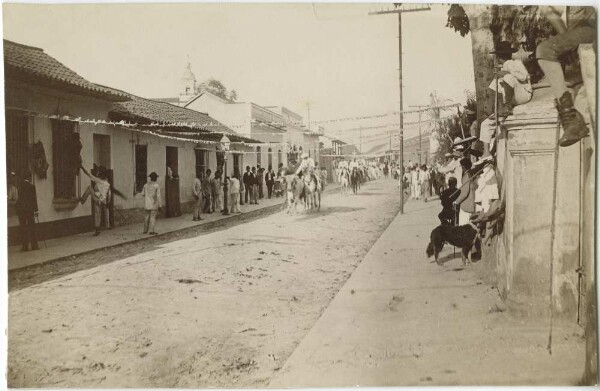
x=234, y=193
x=452, y=170
x=197, y=193
x=307, y=167
x=152, y=203
x=101, y=195
x=414, y=183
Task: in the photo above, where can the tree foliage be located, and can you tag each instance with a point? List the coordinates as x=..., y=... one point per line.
x=218, y=88
x=458, y=20
x=524, y=26
x=446, y=129
x=518, y=24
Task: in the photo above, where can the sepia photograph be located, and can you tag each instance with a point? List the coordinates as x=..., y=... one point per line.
x=299, y=195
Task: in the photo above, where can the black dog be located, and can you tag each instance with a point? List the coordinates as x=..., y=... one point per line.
x=463, y=236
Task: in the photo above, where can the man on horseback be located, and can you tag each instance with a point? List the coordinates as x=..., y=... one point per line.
x=307, y=168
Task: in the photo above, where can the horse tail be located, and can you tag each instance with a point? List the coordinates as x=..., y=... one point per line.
x=430, y=250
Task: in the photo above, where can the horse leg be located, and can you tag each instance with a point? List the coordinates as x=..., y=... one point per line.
x=319, y=208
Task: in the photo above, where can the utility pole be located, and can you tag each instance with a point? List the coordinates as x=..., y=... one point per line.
x=400, y=11
x=420, y=150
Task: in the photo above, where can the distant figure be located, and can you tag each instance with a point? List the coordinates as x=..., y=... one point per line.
x=197, y=193
x=215, y=186
x=425, y=181
x=260, y=180
x=246, y=179
x=206, y=192
x=254, y=184
x=235, y=193
x=27, y=210
x=152, y=202
x=270, y=181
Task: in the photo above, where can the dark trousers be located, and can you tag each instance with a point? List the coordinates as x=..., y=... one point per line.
x=269, y=189
x=447, y=217
x=260, y=190
x=242, y=197
x=207, y=203
x=247, y=193
x=27, y=230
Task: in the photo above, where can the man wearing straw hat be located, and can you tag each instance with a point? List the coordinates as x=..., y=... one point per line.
x=152, y=202
x=512, y=87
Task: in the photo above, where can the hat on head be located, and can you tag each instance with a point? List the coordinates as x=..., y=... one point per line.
x=504, y=47
x=304, y=155
x=153, y=175
x=460, y=143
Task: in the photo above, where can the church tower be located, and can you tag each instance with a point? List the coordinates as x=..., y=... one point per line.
x=188, y=85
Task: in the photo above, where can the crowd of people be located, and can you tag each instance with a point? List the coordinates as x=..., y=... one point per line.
x=467, y=183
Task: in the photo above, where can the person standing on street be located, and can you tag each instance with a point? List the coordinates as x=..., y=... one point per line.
x=270, y=180
x=206, y=192
x=260, y=179
x=215, y=184
x=466, y=199
x=152, y=202
x=234, y=193
x=247, y=185
x=414, y=182
x=102, y=195
x=197, y=193
x=425, y=179
x=254, y=184
x=27, y=210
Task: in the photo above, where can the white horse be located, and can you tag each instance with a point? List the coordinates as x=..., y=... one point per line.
x=344, y=181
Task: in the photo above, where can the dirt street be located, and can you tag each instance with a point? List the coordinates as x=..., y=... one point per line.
x=221, y=309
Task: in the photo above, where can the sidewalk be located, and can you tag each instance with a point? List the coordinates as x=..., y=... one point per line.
x=79, y=244
x=401, y=320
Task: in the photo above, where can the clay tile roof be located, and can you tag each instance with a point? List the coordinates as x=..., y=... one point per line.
x=31, y=64
x=146, y=111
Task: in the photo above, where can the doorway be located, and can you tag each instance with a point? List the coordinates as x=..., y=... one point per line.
x=102, y=150
x=172, y=203
x=102, y=158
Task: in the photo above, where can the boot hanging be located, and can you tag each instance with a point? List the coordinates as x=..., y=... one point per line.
x=571, y=120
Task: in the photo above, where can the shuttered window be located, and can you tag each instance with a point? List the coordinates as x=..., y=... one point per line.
x=237, y=164
x=200, y=162
x=17, y=142
x=63, y=160
x=270, y=159
x=141, y=167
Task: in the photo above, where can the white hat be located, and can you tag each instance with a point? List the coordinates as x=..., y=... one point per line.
x=304, y=155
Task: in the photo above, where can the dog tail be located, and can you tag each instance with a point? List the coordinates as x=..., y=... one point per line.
x=430, y=250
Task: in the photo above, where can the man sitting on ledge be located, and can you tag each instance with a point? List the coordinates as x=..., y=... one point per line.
x=580, y=28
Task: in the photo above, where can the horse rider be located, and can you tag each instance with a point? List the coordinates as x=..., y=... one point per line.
x=307, y=167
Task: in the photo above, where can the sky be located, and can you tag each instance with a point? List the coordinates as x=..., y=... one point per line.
x=333, y=58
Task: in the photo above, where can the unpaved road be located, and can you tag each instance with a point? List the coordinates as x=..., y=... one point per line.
x=223, y=309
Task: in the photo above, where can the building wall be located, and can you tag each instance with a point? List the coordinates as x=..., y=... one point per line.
x=47, y=102
x=411, y=149
x=523, y=264
x=234, y=115
x=58, y=221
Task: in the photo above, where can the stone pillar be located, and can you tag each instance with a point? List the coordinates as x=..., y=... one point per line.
x=526, y=162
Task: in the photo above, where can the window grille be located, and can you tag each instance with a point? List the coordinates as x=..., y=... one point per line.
x=201, y=164
x=65, y=164
x=141, y=167
x=17, y=142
